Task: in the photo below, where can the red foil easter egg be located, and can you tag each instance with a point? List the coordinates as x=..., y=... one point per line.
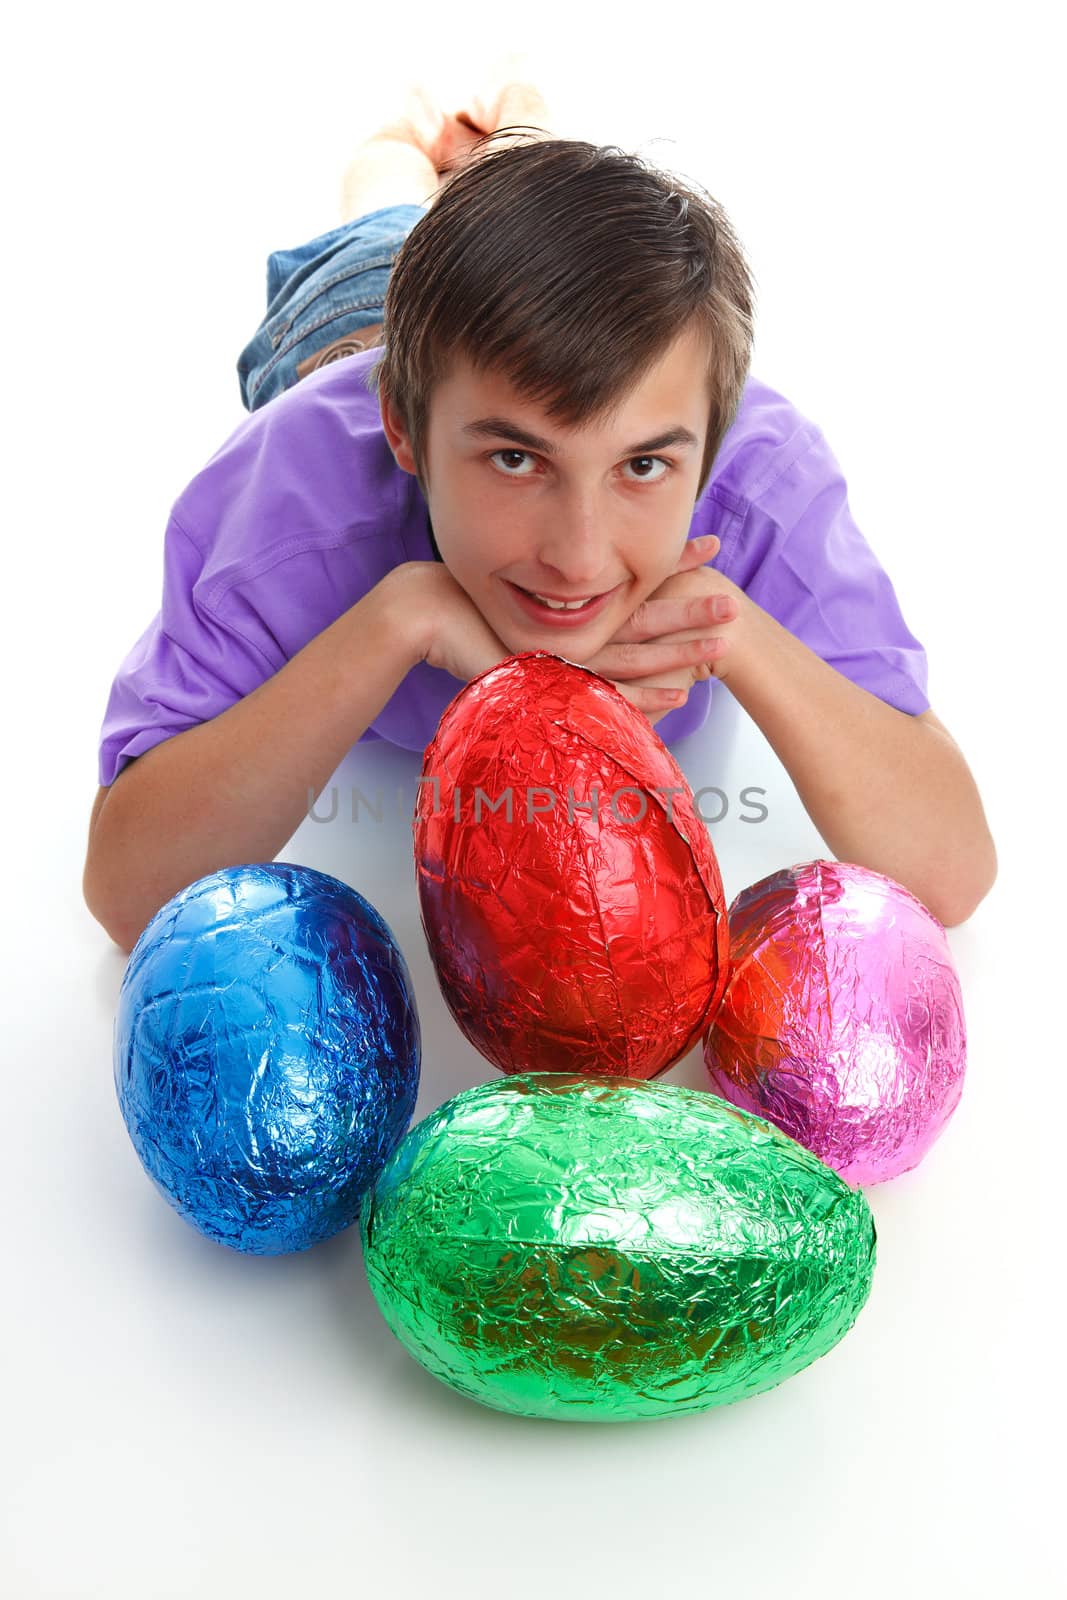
x=842, y=1021
x=568, y=889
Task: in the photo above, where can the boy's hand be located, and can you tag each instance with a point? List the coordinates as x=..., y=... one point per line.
x=671, y=641
x=676, y=637
x=446, y=628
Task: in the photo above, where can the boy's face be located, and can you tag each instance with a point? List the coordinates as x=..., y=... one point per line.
x=606, y=508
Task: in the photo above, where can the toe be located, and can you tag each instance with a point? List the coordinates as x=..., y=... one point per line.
x=422, y=118
x=506, y=95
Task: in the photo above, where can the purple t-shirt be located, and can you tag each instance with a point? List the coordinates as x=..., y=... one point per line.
x=303, y=510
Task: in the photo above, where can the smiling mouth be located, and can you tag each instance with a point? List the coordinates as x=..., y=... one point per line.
x=553, y=604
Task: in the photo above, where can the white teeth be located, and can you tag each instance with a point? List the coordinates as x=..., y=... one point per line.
x=563, y=605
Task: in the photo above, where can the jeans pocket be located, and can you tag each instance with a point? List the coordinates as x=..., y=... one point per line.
x=353, y=286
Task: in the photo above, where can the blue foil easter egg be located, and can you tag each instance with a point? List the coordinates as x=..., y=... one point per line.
x=266, y=1052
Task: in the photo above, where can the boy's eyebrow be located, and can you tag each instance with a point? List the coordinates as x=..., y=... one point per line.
x=503, y=428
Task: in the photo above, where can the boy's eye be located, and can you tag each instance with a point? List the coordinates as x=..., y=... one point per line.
x=642, y=477
x=521, y=453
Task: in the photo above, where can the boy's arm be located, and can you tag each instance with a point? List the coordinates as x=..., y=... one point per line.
x=886, y=790
x=234, y=789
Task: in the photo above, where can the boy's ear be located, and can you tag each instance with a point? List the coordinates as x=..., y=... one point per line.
x=396, y=434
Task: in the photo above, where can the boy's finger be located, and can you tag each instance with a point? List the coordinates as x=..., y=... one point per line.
x=697, y=551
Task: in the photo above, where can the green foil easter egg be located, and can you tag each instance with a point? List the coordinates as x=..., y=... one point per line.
x=611, y=1249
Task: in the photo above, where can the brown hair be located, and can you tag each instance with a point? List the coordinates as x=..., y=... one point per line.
x=569, y=267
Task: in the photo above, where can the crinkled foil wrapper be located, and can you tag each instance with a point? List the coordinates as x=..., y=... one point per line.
x=842, y=1021
x=567, y=939
x=611, y=1250
x=266, y=1052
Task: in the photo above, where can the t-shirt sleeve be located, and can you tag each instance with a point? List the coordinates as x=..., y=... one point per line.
x=802, y=558
x=186, y=667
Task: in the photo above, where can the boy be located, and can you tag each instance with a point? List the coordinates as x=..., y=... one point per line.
x=559, y=316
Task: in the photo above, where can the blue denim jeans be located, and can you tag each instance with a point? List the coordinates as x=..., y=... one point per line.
x=324, y=290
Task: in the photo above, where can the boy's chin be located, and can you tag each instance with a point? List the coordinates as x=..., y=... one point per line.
x=571, y=649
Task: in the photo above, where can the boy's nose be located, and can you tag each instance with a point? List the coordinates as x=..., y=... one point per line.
x=578, y=552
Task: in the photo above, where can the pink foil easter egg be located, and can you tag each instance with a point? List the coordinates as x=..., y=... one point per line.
x=842, y=1018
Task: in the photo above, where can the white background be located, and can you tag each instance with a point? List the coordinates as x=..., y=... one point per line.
x=182, y=1420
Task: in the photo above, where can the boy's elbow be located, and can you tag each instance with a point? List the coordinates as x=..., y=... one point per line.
x=103, y=913
x=961, y=907
x=99, y=902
